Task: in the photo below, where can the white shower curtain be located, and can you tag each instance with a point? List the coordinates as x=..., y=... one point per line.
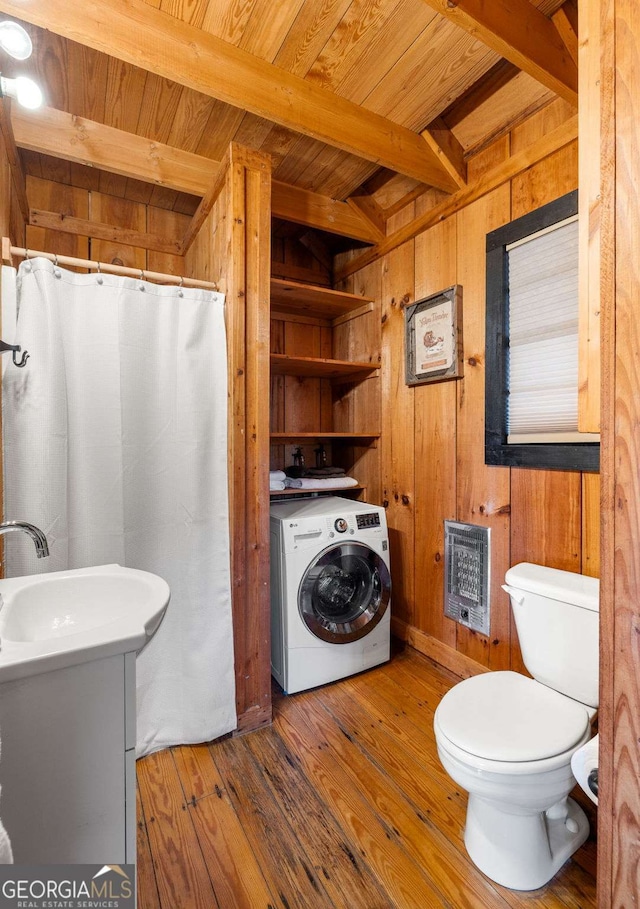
x=115, y=444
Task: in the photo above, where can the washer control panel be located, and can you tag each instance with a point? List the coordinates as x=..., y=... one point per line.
x=307, y=531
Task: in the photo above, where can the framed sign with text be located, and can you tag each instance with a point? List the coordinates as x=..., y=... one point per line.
x=433, y=338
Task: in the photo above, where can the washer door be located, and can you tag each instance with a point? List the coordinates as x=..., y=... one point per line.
x=344, y=593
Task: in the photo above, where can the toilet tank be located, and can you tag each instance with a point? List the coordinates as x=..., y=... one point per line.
x=557, y=617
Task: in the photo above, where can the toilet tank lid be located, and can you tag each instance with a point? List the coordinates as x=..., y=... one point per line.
x=566, y=586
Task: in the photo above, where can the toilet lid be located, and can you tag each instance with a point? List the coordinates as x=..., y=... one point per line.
x=505, y=716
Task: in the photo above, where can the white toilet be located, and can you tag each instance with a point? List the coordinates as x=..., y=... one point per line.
x=508, y=739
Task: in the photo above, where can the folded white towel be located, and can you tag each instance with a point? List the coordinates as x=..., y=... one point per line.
x=276, y=485
x=277, y=475
x=313, y=483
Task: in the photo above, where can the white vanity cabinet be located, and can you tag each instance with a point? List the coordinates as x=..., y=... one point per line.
x=68, y=710
x=67, y=765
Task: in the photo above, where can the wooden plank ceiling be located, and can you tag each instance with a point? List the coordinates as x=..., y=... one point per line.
x=394, y=67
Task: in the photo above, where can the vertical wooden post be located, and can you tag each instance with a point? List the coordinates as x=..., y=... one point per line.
x=233, y=247
x=256, y=678
x=619, y=724
x=589, y=207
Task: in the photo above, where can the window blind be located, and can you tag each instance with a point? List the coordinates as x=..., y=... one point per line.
x=543, y=336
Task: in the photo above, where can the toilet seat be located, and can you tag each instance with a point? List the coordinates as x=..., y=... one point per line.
x=505, y=718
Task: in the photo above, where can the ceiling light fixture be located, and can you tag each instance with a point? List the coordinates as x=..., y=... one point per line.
x=23, y=89
x=15, y=40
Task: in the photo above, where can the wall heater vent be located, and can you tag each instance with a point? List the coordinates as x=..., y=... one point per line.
x=467, y=561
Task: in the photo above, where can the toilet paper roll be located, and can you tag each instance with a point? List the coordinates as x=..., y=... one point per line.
x=583, y=762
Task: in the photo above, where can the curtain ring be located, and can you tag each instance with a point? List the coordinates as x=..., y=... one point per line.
x=142, y=287
x=27, y=262
x=99, y=279
x=180, y=286
x=26, y=253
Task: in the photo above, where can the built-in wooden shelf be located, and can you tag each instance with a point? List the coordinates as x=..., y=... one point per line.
x=293, y=301
x=354, y=437
x=317, y=367
x=293, y=491
x=313, y=300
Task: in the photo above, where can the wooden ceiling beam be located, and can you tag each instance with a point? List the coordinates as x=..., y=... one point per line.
x=549, y=144
x=367, y=207
x=500, y=74
x=407, y=199
x=379, y=180
x=314, y=210
x=153, y=40
x=440, y=138
x=53, y=132
x=519, y=32
x=565, y=20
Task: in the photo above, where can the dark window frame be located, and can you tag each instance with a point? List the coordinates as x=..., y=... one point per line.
x=583, y=456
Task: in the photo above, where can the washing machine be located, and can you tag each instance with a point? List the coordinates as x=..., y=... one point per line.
x=330, y=590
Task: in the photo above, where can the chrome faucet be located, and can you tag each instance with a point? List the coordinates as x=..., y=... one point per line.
x=39, y=539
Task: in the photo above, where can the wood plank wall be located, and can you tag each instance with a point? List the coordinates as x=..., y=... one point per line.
x=431, y=457
x=356, y=408
x=48, y=195
x=300, y=403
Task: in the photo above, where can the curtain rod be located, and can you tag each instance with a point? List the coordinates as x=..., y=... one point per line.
x=140, y=273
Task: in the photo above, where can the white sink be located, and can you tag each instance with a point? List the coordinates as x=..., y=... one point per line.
x=48, y=621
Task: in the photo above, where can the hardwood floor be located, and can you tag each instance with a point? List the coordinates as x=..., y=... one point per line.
x=342, y=803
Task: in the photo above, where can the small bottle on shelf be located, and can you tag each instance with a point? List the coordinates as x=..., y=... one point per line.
x=321, y=456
